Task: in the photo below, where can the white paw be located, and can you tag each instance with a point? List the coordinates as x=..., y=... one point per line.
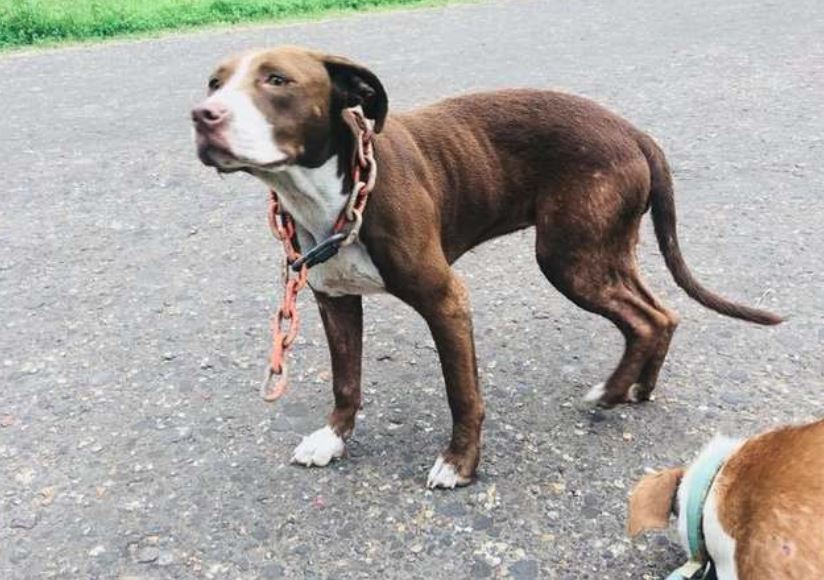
x=319, y=448
x=633, y=395
x=595, y=393
x=444, y=475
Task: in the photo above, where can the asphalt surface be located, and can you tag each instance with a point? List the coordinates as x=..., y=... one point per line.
x=136, y=286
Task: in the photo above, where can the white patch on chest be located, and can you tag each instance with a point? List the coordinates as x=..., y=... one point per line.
x=314, y=198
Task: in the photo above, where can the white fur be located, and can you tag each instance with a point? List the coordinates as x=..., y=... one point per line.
x=319, y=448
x=315, y=198
x=595, y=393
x=249, y=135
x=632, y=394
x=444, y=475
x=719, y=544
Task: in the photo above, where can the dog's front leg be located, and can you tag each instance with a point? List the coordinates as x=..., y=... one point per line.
x=343, y=322
x=445, y=307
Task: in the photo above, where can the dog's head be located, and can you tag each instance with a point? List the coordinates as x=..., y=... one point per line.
x=266, y=110
x=653, y=500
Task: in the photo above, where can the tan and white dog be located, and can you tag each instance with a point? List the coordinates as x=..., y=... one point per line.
x=752, y=509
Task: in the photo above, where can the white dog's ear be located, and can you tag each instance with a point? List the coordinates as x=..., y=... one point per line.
x=651, y=501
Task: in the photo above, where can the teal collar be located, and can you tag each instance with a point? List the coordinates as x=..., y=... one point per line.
x=701, y=477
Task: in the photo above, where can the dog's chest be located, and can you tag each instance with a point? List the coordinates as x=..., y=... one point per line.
x=314, y=199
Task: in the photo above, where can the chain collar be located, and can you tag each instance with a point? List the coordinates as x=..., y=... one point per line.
x=285, y=322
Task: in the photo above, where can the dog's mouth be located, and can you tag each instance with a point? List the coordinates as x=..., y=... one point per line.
x=224, y=161
x=214, y=151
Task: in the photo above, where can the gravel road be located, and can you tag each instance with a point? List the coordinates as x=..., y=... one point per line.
x=136, y=286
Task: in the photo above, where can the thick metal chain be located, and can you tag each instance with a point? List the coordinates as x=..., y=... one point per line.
x=364, y=170
x=364, y=174
x=283, y=227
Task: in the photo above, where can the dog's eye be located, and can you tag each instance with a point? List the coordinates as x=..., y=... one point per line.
x=276, y=80
x=214, y=84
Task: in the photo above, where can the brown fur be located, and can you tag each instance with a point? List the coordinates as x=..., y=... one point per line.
x=652, y=499
x=771, y=501
x=466, y=170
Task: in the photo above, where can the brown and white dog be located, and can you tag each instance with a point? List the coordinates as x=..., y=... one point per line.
x=451, y=176
x=762, y=515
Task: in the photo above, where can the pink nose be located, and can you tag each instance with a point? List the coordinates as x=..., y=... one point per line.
x=209, y=115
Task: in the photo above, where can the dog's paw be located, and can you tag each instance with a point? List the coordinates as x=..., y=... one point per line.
x=595, y=394
x=319, y=448
x=636, y=394
x=445, y=475
x=598, y=396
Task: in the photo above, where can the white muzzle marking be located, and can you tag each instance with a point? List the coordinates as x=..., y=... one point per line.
x=248, y=134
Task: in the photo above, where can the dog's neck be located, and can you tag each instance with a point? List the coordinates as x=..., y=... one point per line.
x=718, y=447
x=314, y=197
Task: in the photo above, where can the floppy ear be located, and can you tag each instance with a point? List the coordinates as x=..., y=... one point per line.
x=650, y=503
x=357, y=85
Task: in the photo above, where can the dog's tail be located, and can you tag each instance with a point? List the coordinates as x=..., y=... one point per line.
x=662, y=204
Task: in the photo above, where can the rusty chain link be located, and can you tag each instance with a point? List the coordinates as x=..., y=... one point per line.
x=364, y=175
x=283, y=228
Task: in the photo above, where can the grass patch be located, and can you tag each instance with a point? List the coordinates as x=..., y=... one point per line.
x=32, y=22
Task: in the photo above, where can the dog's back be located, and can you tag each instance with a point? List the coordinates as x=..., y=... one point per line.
x=770, y=499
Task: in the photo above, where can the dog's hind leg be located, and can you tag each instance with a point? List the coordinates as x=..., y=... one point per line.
x=604, y=279
x=649, y=374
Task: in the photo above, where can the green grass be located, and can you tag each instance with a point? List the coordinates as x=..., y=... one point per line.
x=33, y=22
